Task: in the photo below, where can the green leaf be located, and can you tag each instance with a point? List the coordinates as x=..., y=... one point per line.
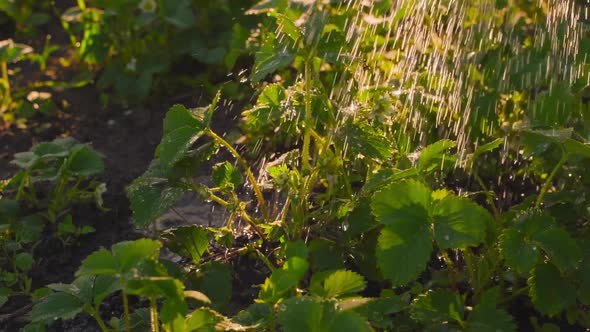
x=405, y=201
x=57, y=305
x=520, y=254
x=485, y=318
x=577, y=148
x=124, y=257
x=295, y=249
x=151, y=195
x=271, y=57
x=405, y=244
x=188, y=241
x=225, y=174
x=349, y=321
x=130, y=254
x=517, y=243
x=459, y=223
x=434, y=307
x=282, y=280
x=553, y=107
x=156, y=287
x=12, y=52
x=30, y=229
x=550, y=293
x=342, y=283
x=307, y=314
x=24, y=261
x=304, y=315
x=176, y=144
x=99, y=262
x=217, y=284
x=85, y=162
x=562, y=249
x=366, y=141
x=202, y=320
x=173, y=315
x=286, y=26
x=103, y=286
x=531, y=231
x=179, y=116
x=435, y=155
x=266, y=114
x=403, y=251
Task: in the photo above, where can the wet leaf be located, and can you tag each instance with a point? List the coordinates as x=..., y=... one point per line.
x=550, y=292
x=271, y=57
x=459, y=223
x=225, y=174
x=405, y=244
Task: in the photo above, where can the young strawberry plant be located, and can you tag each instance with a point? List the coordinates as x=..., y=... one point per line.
x=54, y=176
x=138, y=42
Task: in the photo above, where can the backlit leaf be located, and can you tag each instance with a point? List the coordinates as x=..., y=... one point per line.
x=343, y=282
x=459, y=223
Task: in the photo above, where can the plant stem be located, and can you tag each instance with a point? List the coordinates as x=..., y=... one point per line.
x=81, y=4
x=272, y=319
x=94, y=312
x=244, y=164
x=452, y=271
x=252, y=224
x=549, y=180
x=308, y=117
x=265, y=260
x=126, y=310
x=154, y=316
x=489, y=195
x=6, y=98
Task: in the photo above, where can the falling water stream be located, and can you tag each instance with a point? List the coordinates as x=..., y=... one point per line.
x=448, y=40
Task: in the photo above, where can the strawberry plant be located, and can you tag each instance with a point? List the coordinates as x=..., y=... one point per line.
x=54, y=176
x=138, y=42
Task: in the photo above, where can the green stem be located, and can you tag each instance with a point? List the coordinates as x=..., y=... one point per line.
x=548, y=182
x=126, y=312
x=7, y=97
x=265, y=260
x=252, y=224
x=308, y=117
x=244, y=164
x=154, y=316
x=82, y=4
x=489, y=195
x=95, y=313
x=452, y=272
x=272, y=319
